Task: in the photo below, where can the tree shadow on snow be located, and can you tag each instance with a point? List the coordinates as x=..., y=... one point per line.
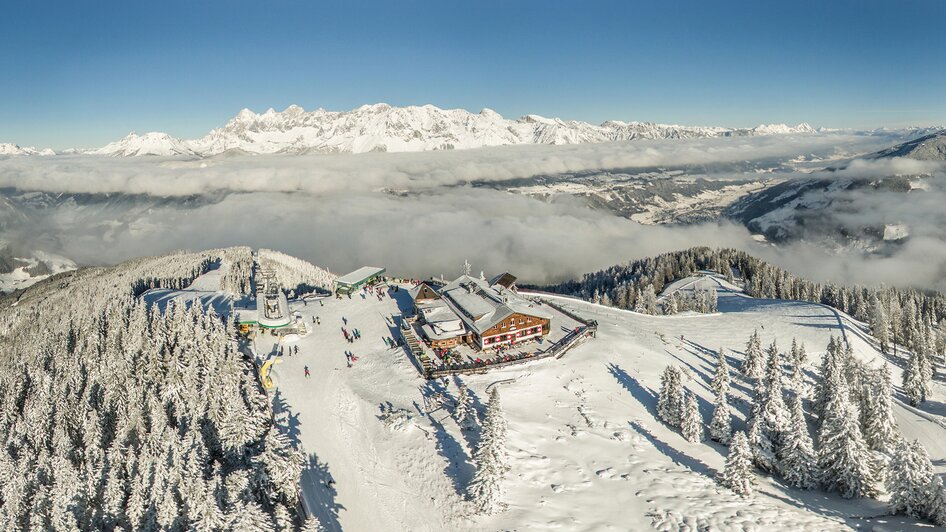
x=643, y=394
x=459, y=466
x=318, y=491
x=676, y=456
x=286, y=421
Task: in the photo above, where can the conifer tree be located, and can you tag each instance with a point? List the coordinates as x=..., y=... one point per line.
x=844, y=459
x=769, y=416
x=670, y=401
x=721, y=424
x=691, y=423
x=752, y=365
x=737, y=474
x=829, y=370
x=464, y=413
x=914, y=379
x=485, y=490
x=879, y=325
x=880, y=427
x=312, y=524
x=798, y=456
x=914, y=489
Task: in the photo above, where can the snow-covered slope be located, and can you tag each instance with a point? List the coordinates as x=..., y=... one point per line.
x=927, y=148
x=585, y=449
x=381, y=127
x=148, y=144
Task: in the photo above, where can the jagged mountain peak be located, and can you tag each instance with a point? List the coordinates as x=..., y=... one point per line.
x=151, y=143
x=383, y=127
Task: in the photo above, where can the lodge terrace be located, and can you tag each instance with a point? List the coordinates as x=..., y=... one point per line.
x=476, y=312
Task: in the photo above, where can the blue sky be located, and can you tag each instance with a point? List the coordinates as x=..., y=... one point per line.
x=82, y=73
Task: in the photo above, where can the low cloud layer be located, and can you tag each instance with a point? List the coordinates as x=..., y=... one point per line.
x=332, y=210
x=320, y=174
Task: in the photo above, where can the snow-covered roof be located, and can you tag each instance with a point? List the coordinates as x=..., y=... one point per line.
x=481, y=305
x=434, y=334
x=437, y=311
x=359, y=275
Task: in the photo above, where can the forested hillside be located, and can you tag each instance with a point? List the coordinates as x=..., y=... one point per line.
x=116, y=416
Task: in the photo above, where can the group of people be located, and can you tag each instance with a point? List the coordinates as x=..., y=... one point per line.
x=392, y=343
x=479, y=362
x=376, y=291
x=351, y=335
x=293, y=350
x=350, y=357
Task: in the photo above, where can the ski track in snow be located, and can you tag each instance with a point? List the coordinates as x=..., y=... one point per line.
x=586, y=451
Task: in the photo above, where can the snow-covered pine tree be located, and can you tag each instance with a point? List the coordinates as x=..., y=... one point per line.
x=880, y=427
x=691, y=422
x=720, y=428
x=737, y=474
x=670, y=401
x=485, y=490
x=913, y=487
x=312, y=524
x=769, y=416
x=672, y=306
x=712, y=300
x=752, y=365
x=798, y=462
x=646, y=300
x=829, y=370
x=844, y=459
x=879, y=324
x=914, y=382
x=464, y=413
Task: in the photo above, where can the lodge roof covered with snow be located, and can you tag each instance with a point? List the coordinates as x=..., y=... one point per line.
x=359, y=275
x=481, y=306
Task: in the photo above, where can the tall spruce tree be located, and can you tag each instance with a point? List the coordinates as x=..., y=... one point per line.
x=880, y=427
x=485, y=490
x=879, y=324
x=691, y=422
x=752, y=365
x=670, y=401
x=798, y=462
x=769, y=416
x=915, y=385
x=464, y=413
x=737, y=475
x=844, y=459
x=720, y=428
x=914, y=488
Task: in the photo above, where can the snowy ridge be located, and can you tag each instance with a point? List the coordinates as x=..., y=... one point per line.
x=148, y=144
x=7, y=148
x=382, y=127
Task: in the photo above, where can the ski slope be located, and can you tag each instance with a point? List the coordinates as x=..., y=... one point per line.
x=586, y=451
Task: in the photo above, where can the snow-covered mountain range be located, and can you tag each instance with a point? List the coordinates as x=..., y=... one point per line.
x=385, y=128
x=7, y=148
x=381, y=127
x=147, y=144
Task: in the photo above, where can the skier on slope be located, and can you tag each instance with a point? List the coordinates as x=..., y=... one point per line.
x=306, y=369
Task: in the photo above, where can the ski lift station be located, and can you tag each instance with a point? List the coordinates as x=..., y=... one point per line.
x=357, y=279
x=272, y=306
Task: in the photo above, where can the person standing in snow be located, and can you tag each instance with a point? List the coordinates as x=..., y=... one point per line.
x=306, y=369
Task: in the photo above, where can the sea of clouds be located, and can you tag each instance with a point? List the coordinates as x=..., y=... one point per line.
x=417, y=214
